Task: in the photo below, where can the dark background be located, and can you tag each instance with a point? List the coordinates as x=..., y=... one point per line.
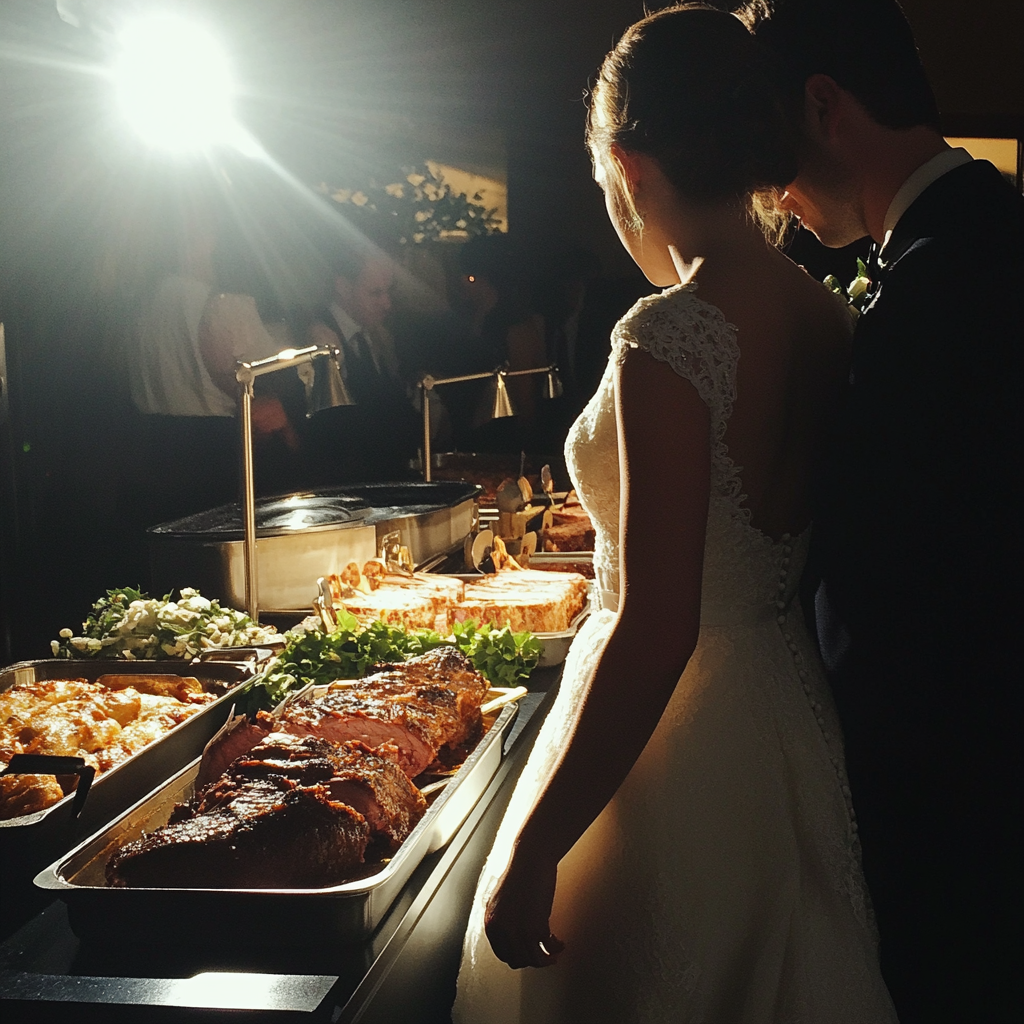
x=330, y=88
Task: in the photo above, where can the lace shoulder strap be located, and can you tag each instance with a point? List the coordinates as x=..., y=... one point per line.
x=694, y=338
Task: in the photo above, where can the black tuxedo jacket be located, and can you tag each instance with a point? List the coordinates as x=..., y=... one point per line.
x=372, y=440
x=919, y=546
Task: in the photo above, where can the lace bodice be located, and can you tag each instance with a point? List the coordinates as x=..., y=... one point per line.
x=743, y=568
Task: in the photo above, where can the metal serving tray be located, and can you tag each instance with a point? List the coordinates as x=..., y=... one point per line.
x=345, y=913
x=564, y=561
x=556, y=645
x=30, y=841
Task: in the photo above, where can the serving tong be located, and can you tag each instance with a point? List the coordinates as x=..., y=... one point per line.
x=52, y=764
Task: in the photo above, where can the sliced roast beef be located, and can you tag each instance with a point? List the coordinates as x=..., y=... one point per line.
x=265, y=834
x=423, y=706
x=370, y=781
x=222, y=750
x=418, y=726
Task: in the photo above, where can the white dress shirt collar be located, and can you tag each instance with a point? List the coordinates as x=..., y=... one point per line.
x=348, y=327
x=924, y=176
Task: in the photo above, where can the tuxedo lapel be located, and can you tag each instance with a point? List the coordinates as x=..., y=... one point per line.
x=956, y=206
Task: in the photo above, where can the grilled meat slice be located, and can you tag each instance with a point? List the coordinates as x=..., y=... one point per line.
x=443, y=667
x=377, y=787
x=265, y=834
x=236, y=742
x=422, y=706
x=447, y=665
x=418, y=725
x=355, y=775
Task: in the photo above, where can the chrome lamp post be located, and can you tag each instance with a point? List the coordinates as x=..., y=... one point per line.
x=501, y=404
x=332, y=394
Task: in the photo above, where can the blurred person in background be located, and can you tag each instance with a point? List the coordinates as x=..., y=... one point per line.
x=180, y=367
x=496, y=299
x=376, y=438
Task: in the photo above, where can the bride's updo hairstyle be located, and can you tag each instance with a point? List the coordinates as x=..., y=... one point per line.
x=692, y=88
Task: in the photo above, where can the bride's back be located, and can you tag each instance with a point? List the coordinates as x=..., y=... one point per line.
x=690, y=119
x=793, y=337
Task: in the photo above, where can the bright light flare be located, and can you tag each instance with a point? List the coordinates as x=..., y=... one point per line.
x=174, y=85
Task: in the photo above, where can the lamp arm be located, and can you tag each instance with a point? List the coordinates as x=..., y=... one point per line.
x=536, y=369
x=427, y=454
x=430, y=382
x=249, y=370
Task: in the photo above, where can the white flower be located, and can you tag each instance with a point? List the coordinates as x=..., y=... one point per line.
x=79, y=642
x=66, y=634
x=858, y=286
x=55, y=646
x=94, y=645
x=187, y=592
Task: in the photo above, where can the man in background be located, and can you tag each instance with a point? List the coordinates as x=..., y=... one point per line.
x=375, y=438
x=918, y=539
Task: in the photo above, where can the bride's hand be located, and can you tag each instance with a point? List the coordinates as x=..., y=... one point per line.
x=517, y=916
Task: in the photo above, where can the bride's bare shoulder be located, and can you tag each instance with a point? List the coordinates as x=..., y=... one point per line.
x=821, y=315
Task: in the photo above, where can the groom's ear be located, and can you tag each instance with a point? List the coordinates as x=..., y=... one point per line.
x=824, y=103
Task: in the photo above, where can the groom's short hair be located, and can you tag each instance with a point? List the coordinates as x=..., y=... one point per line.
x=866, y=46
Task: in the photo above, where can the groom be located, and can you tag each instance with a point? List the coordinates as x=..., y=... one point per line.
x=919, y=535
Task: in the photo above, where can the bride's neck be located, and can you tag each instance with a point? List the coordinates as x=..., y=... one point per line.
x=703, y=237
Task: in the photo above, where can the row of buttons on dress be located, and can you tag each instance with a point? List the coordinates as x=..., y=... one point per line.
x=780, y=604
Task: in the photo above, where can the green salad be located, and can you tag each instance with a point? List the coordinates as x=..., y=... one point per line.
x=130, y=625
x=504, y=658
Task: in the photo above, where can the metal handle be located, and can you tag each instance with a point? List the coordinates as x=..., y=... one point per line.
x=51, y=764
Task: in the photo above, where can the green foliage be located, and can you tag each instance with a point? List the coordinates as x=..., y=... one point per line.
x=504, y=658
x=418, y=206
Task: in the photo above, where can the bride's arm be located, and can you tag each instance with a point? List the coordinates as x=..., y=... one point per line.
x=664, y=463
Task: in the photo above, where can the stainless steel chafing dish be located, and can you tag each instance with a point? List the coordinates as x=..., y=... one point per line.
x=308, y=535
x=31, y=840
x=346, y=912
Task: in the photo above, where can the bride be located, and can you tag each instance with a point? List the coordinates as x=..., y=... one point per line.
x=681, y=845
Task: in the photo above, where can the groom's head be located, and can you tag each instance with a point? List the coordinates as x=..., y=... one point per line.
x=865, y=92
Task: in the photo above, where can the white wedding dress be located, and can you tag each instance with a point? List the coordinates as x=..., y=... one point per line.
x=722, y=883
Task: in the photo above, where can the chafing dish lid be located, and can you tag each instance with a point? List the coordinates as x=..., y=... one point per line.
x=323, y=509
x=277, y=516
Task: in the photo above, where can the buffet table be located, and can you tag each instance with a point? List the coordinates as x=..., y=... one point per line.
x=404, y=972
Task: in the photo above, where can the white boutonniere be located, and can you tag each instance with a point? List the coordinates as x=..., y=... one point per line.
x=858, y=293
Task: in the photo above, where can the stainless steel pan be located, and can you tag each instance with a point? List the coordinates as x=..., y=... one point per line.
x=346, y=912
x=30, y=841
